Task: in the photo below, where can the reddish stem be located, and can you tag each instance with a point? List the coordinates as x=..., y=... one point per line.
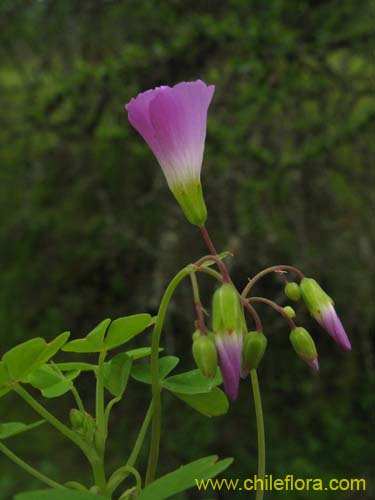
x=276, y=307
x=220, y=264
x=254, y=314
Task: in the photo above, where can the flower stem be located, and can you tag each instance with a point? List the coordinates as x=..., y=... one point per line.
x=28, y=468
x=276, y=307
x=222, y=267
x=260, y=432
x=156, y=389
x=273, y=269
x=197, y=302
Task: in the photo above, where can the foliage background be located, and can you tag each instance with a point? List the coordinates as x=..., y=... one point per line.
x=88, y=228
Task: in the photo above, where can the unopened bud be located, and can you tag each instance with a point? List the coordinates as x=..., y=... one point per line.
x=205, y=355
x=254, y=346
x=77, y=418
x=290, y=311
x=314, y=296
x=292, y=291
x=304, y=346
x=227, y=314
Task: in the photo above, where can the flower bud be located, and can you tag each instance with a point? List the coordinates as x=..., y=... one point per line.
x=322, y=309
x=77, y=418
x=314, y=297
x=227, y=314
x=292, y=291
x=304, y=346
x=290, y=311
x=205, y=355
x=254, y=346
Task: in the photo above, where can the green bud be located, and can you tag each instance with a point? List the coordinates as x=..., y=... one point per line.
x=77, y=418
x=254, y=346
x=304, y=346
x=290, y=311
x=314, y=297
x=292, y=291
x=196, y=335
x=205, y=355
x=227, y=314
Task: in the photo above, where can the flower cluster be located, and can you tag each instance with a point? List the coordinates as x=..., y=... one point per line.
x=172, y=120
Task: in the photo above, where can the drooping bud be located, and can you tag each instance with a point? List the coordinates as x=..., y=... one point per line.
x=292, y=291
x=321, y=307
x=227, y=314
x=290, y=311
x=304, y=346
x=228, y=325
x=205, y=355
x=254, y=346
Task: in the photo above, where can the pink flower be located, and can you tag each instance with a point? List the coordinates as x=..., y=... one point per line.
x=172, y=120
x=229, y=346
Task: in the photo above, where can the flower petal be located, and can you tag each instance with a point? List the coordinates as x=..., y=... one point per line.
x=329, y=320
x=229, y=347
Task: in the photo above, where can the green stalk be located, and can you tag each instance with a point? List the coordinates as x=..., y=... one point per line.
x=26, y=467
x=156, y=389
x=260, y=432
x=101, y=432
x=114, y=480
x=43, y=412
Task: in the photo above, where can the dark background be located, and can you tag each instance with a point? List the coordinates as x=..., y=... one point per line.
x=89, y=229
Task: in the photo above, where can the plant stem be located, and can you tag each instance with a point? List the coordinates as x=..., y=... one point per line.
x=222, y=267
x=28, y=468
x=260, y=432
x=254, y=314
x=52, y=419
x=156, y=389
x=140, y=438
x=273, y=269
x=113, y=483
x=197, y=301
x=276, y=307
x=101, y=431
x=210, y=272
x=78, y=399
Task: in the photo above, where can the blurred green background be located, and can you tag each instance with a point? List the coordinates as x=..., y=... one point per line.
x=88, y=228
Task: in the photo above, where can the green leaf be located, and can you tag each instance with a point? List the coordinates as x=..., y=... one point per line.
x=93, y=342
x=51, y=382
x=192, y=382
x=53, y=347
x=60, y=494
x=9, y=429
x=210, y=404
x=184, y=478
x=124, y=329
x=20, y=360
x=141, y=352
x=142, y=373
x=76, y=365
x=4, y=379
x=116, y=374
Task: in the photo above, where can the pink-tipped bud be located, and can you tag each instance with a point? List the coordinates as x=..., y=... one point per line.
x=304, y=346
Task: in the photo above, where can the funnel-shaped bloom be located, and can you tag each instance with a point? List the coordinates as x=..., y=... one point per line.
x=172, y=120
x=322, y=309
